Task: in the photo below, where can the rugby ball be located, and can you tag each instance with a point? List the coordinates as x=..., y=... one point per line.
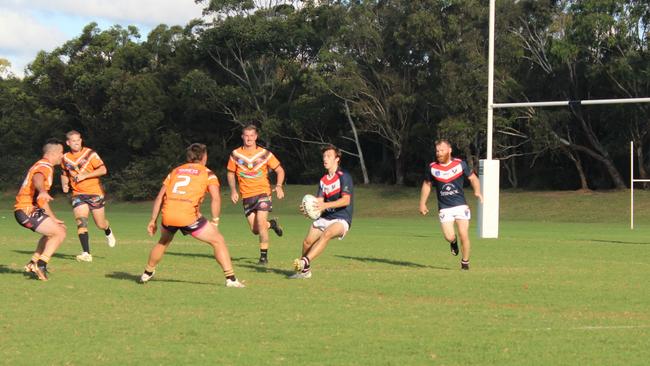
x=309, y=206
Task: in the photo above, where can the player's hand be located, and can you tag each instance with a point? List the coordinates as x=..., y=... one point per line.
x=279, y=192
x=234, y=197
x=302, y=209
x=44, y=197
x=151, y=228
x=423, y=209
x=479, y=196
x=60, y=222
x=81, y=176
x=319, y=205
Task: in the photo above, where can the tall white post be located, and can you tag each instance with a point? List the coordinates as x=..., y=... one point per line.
x=488, y=213
x=631, y=185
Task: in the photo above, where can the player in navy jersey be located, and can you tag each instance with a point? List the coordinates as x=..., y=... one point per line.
x=448, y=175
x=335, y=203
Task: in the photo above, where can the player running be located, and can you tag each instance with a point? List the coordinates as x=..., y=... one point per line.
x=335, y=202
x=180, y=200
x=250, y=163
x=32, y=209
x=449, y=174
x=82, y=168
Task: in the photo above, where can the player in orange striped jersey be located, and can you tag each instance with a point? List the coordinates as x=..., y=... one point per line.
x=250, y=164
x=180, y=200
x=32, y=209
x=82, y=168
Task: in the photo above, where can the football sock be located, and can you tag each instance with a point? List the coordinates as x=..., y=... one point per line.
x=229, y=274
x=306, y=266
x=83, y=238
x=35, y=258
x=42, y=261
x=148, y=273
x=149, y=270
x=108, y=231
x=264, y=253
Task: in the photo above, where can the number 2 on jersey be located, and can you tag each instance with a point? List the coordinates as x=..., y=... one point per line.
x=183, y=180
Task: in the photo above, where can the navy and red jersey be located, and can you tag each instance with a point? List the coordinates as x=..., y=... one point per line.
x=333, y=188
x=448, y=180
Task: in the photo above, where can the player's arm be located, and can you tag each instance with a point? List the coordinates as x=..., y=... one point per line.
x=157, y=204
x=65, y=182
x=279, y=191
x=94, y=174
x=234, y=196
x=215, y=203
x=476, y=186
x=424, y=196
x=43, y=198
x=341, y=202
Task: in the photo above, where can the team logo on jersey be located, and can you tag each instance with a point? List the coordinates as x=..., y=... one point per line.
x=448, y=190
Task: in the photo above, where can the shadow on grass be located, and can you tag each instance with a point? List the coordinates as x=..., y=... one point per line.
x=391, y=262
x=7, y=270
x=136, y=278
x=56, y=255
x=620, y=242
x=201, y=255
x=264, y=269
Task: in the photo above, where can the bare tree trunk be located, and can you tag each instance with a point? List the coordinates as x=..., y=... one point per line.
x=362, y=161
x=578, y=163
x=399, y=166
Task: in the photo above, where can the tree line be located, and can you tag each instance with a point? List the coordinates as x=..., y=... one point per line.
x=380, y=79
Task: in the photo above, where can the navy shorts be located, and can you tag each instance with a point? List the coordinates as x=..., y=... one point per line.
x=31, y=221
x=189, y=229
x=93, y=201
x=261, y=202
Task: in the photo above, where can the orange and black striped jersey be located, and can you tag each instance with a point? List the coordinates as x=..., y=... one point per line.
x=185, y=188
x=85, y=160
x=251, y=168
x=26, y=197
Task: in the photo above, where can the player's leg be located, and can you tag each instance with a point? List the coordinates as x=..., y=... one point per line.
x=463, y=233
x=316, y=248
x=449, y=233
x=99, y=216
x=209, y=233
x=81, y=213
x=53, y=235
x=156, y=254
x=262, y=226
x=29, y=267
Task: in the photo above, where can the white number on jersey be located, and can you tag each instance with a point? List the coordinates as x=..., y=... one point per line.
x=183, y=180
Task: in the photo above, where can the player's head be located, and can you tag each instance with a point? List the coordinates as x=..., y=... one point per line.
x=331, y=157
x=53, y=151
x=73, y=140
x=249, y=135
x=197, y=153
x=443, y=151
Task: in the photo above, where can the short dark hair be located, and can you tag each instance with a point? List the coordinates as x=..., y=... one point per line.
x=250, y=127
x=72, y=133
x=195, y=152
x=337, y=151
x=443, y=141
x=50, y=144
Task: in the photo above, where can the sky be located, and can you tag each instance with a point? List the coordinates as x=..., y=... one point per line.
x=28, y=26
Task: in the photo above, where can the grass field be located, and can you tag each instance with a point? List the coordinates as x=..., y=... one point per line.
x=566, y=283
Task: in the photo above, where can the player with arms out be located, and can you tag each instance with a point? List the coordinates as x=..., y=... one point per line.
x=335, y=203
x=180, y=201
x=82, y=168
x=32, y=209
x=250, y=164
x=448, y=174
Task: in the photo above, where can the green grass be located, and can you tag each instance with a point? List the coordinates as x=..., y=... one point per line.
x=566, y=283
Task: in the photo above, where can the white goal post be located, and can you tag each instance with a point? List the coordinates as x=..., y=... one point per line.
x=632, y=181
x=488, y=211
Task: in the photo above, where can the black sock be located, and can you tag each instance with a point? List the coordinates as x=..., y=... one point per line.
x=273, y=224
x=85, y=245
x=307, y=263
x=108, y=231
x=148, y=273
x=264, y=253
x=464, y=261
x=232, y=278
x=41, y=263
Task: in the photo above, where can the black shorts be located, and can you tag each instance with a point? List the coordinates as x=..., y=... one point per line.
x=93, y=201
x=189, y=229
x=31, y=221
x=261, y=202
